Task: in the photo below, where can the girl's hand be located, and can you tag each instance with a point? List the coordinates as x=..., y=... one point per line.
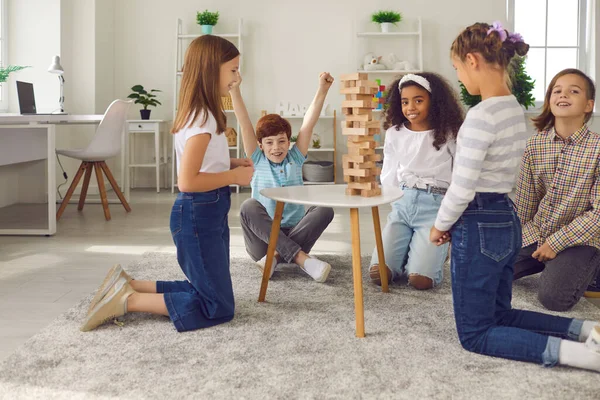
x=236, y=84
x=243, y=175
x=325, y=80
x=438, y=237
x=544, y=253
x=241, y=162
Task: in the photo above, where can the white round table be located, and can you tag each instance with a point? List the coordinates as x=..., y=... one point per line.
x=333, y=196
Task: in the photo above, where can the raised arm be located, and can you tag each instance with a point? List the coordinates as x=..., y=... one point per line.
x=241, y=113
x=313, y=113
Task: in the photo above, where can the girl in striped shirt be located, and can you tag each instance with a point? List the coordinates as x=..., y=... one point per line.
x=479, y=216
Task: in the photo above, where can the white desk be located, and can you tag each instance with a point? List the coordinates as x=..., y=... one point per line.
x=25, y=141
x=333, y=196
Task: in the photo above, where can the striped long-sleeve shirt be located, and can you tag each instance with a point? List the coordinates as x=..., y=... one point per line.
x=489, y=148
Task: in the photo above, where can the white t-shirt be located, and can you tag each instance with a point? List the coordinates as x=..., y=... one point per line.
x=410, y=157
x=216, y=158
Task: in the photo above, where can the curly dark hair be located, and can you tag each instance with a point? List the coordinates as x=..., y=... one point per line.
x=445, y=117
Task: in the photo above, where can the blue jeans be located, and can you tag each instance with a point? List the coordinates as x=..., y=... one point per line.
x=201, y=234
x=486, y=241
x=406, y=242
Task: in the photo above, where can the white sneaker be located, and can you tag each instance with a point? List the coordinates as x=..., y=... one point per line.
x=261, y=265
x=317, y=269
x=593, y=341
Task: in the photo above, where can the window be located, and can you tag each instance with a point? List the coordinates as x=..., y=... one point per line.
x=556, y=31
x=3, y=30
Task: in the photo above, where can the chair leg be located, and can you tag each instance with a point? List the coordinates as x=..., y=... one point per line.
x=114, y=185
x=86, y=184
x=63, y=205
x=102, y=190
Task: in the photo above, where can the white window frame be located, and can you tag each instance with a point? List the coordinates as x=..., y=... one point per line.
x=582, y=37
x=3, y=53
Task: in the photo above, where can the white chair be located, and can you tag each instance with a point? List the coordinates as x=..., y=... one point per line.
x=105, y=144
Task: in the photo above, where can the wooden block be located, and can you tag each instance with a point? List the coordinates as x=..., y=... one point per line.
x=358, y=89
x=359, y=172
x=355, y=76
x=371, y=193
x=363, y=186
x=362, y=111
x=358, y=104
x=360, y=152
x=359, y=179
x=361, y=139
x=352, y=192
x=362, y=145
x=361, y=158
x=366, y=83
x=347, y=111
x=373, y=131
x=367, y=124
x=355, y=131
x=352, y=165
x=367, y=97
x=348, y=84
x=362, y=117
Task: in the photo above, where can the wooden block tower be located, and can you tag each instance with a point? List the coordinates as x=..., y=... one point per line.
x=359, y=165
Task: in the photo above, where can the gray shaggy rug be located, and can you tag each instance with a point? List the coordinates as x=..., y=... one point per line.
x=299, y=344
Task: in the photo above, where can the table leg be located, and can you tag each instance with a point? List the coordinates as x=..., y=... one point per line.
x=380, y=255
x=271, y=250
x=357, y=274
x=157, y=157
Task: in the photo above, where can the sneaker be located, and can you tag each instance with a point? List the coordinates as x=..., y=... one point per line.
x=593, y=341
x=593, y=290
x=261, y=265
x=376, y=277
x=317, y=269
x=113, y=305
x=111, y=277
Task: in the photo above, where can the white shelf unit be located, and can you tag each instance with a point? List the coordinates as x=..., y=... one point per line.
x=399, y=38
x=181, y=43
x=322, y=150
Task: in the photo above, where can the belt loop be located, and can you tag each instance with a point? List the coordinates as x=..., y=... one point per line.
x=479, y=200
x=429, y=189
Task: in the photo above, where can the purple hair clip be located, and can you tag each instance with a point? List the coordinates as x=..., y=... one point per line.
x=515, y=37
x=497, y=26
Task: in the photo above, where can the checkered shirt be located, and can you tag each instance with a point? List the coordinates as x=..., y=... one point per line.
x=558, y=190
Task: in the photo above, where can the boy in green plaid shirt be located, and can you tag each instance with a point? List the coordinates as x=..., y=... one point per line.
x=558, y=196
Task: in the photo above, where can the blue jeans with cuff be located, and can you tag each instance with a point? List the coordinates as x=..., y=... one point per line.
x=486, y=241
x=200, y=231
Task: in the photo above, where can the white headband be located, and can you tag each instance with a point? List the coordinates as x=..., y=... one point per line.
x=415, y=78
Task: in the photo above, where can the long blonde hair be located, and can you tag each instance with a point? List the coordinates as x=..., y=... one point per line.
x=200, y=84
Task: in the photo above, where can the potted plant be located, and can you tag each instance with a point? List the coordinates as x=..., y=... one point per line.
x=145, y=98
x=386, y=19
x=4, y=72
x=207, y=20
x=522, y=86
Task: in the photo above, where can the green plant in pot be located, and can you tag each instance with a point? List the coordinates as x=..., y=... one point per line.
x=5, y=71
x=386, y=19
x=522, y=85
x=144, y=98
x=207, y=20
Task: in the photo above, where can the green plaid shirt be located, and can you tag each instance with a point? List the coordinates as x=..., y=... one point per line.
x=558, y=190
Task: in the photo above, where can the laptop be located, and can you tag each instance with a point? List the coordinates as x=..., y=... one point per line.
x=27, y=99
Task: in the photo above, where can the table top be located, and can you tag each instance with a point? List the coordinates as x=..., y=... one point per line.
x=18, y=119
x=330, y=196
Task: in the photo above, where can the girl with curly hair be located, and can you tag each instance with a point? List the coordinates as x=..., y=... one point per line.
x=422, y=119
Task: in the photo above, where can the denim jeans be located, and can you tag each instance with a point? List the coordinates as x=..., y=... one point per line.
x=201, y=234
x=256, y=226
x=406, y=242
x=485, y=244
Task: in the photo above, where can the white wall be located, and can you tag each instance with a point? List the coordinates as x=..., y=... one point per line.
x=33, y=39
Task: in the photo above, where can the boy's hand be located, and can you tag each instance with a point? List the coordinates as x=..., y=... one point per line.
x=241, y=162
x=325, y=80
x=438, y=237
x=544, y=253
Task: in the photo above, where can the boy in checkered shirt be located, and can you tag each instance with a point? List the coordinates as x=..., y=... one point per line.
x=558, y=196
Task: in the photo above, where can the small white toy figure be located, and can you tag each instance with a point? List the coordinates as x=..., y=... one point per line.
x=394, y=63
x=372, y=63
